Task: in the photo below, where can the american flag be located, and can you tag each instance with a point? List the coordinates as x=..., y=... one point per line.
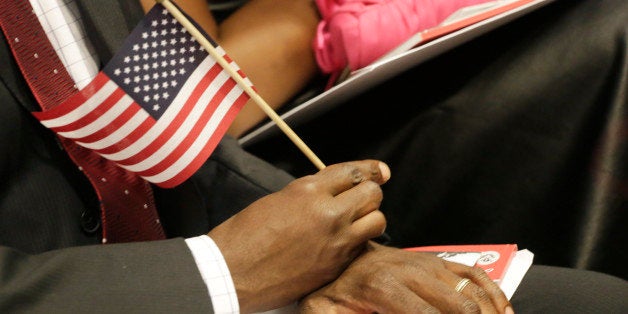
x=158, y=108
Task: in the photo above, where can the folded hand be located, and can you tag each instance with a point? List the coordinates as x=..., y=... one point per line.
x=290, y=243
x=390, y=280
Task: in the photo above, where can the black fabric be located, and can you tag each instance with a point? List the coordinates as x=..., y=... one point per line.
x=147, y=277
x=229, y=181
x=516, y=137
x=547, y=289
x=118, y=17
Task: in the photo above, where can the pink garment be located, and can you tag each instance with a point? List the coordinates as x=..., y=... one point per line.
x=355, y=33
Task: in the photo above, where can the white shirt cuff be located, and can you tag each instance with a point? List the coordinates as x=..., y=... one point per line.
x=215, y=273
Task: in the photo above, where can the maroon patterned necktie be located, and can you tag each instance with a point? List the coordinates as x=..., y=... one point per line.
x=128, y=210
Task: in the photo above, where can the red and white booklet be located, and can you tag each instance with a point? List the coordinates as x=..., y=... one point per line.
x=503, y=263
x=493, y=258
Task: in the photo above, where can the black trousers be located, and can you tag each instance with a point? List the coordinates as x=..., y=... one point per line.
x=518, y=136
x=550, y=289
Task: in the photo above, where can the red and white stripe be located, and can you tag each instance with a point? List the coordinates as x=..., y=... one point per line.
x=102, y=117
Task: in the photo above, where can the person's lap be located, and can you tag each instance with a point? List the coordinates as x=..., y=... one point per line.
x=512, y=137
x=548, y=289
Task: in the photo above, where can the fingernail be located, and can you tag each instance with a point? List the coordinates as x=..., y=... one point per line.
x=384, y=170
x=509, y=310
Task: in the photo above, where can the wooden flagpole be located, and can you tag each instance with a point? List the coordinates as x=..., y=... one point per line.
x=248, y=89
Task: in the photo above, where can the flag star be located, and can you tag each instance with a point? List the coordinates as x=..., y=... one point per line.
x=183, y=30
x=155, y=76
x=182, y=50
x=164, y=32
x=117, y=72
x=154, y=23
x=181, y=71
x=163, y=42
x=164, y=74
x=127, y=70
x=145, y=56
x=145, y=34
x=155, y=55
x=163, y=53
x=136, y=47
x=165, y=95
x=136, y=79
x=146, y=99
x=183, y=40
x=182, y=60
x=164, y=22
x=145, y=46
x=165, y=84
x=164, y=64
x=145, y=66
x=173, y=83
x=156, y=86
x=146, y=88
x=173, y=72
x=173, y=62
x=156, y=97
x=146, y=77
x=154, y=34
x=173, y=51
x=173, y=21
x=154, y=44
x=136, y=68
x=164, y=12
x=127, y=80
x=173, y=31
x=137, y=89
x=191, y=59
x=201, y=48
x=192, y=49
x=173, y=41
x=155, y=65
x=127, y=59
x=155, y=107
x=136, y=58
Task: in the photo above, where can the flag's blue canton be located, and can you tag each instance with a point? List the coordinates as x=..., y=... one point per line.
x=155, y=61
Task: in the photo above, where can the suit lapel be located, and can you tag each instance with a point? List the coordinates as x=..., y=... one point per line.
x=108, y=23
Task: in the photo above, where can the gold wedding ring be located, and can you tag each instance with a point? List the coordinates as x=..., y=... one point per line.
x=462, y=283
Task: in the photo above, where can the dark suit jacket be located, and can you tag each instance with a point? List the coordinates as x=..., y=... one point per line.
x=50, y=256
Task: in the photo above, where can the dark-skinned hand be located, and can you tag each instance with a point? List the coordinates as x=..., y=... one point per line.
x=294, y=241
x=392, y=280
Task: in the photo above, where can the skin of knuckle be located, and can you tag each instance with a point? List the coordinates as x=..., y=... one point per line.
x=478, y=273
x=496, y=291
x=373, y=191
x=480, y=294
x=468, y=306
x=375, y=172
x=426, y=308
x=353, y=172
x=380, y=281
x=304, y=185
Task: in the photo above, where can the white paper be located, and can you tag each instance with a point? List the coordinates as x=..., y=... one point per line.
x=517, y=269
